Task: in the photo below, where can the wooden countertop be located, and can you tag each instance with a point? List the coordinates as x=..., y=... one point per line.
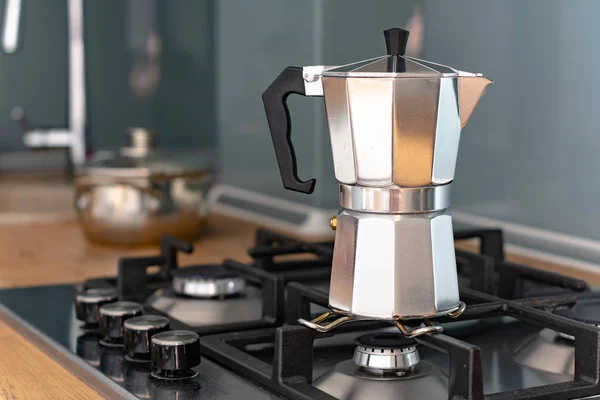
x=57, y=252
x=54, y=251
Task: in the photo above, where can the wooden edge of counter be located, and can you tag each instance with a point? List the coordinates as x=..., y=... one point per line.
x=591, y=277
x=93, y=384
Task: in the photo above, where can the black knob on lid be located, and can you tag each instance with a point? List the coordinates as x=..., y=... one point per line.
x=137, y=333
x=395, y=41
x=112, y=317
x=174, y=354
x=88, y=303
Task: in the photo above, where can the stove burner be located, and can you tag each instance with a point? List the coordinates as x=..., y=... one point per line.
x=207, y=281
x=382, y=353
x=549, y=351
x=585, y=310
x=387, y=370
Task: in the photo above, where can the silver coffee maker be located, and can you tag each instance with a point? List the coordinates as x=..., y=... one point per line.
x=395, y=124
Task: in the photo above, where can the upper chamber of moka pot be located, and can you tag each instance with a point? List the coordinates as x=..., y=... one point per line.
x=395, y=120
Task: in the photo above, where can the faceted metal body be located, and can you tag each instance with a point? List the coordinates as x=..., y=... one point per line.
x=391, y=266
x=394, y=250
x=393, y=131
x=394, y=124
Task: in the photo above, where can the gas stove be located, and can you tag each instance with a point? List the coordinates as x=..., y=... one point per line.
x=161, y=331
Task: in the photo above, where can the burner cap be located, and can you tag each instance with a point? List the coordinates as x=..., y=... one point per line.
x=585, y=310
x=206, y=281
x=381, y=353
x=385, y=341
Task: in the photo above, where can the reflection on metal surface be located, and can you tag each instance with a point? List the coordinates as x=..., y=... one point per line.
x=207, y=282
x=403, y=132
x=202, y=288
x=386, y=129
x=138, y=195
x=548, y=351
x=470, y=91
x=416, y=103
x=126, y=213
x=394, y=266
x=395, y=200
x=340, y=132
x=205, y=312
x=347, y=381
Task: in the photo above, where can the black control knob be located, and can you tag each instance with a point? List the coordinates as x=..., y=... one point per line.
x=112, y=317
x=88, y=303
x=137, y=333
x=174, y=354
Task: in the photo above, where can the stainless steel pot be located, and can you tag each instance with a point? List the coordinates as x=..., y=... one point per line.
x=136, y=195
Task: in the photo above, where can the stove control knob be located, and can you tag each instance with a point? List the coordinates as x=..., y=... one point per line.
x=112, y=317
x=174, y=354
x=137, y=333
x=88, y=303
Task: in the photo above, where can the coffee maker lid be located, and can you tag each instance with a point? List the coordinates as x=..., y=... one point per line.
x=395, y=65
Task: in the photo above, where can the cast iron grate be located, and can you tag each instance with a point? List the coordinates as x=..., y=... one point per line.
x=485, y=272
x=291, y=371
x=285, y=299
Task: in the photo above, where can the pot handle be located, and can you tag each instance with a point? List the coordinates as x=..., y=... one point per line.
x=278, y=115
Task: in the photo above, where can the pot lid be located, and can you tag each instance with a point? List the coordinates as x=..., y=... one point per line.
x=396, y=64
x=141, y=161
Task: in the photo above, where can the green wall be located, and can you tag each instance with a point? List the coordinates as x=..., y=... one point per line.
x=181, y=108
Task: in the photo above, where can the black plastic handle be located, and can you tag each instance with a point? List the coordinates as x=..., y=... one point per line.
x=278, y=115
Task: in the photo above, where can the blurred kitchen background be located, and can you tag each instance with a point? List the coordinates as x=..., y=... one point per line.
x=193, y=71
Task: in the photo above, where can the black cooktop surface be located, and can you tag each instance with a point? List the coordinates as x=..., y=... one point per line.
x=525, y=334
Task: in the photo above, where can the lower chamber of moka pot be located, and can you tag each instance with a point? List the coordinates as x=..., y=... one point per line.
x=395, y=268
